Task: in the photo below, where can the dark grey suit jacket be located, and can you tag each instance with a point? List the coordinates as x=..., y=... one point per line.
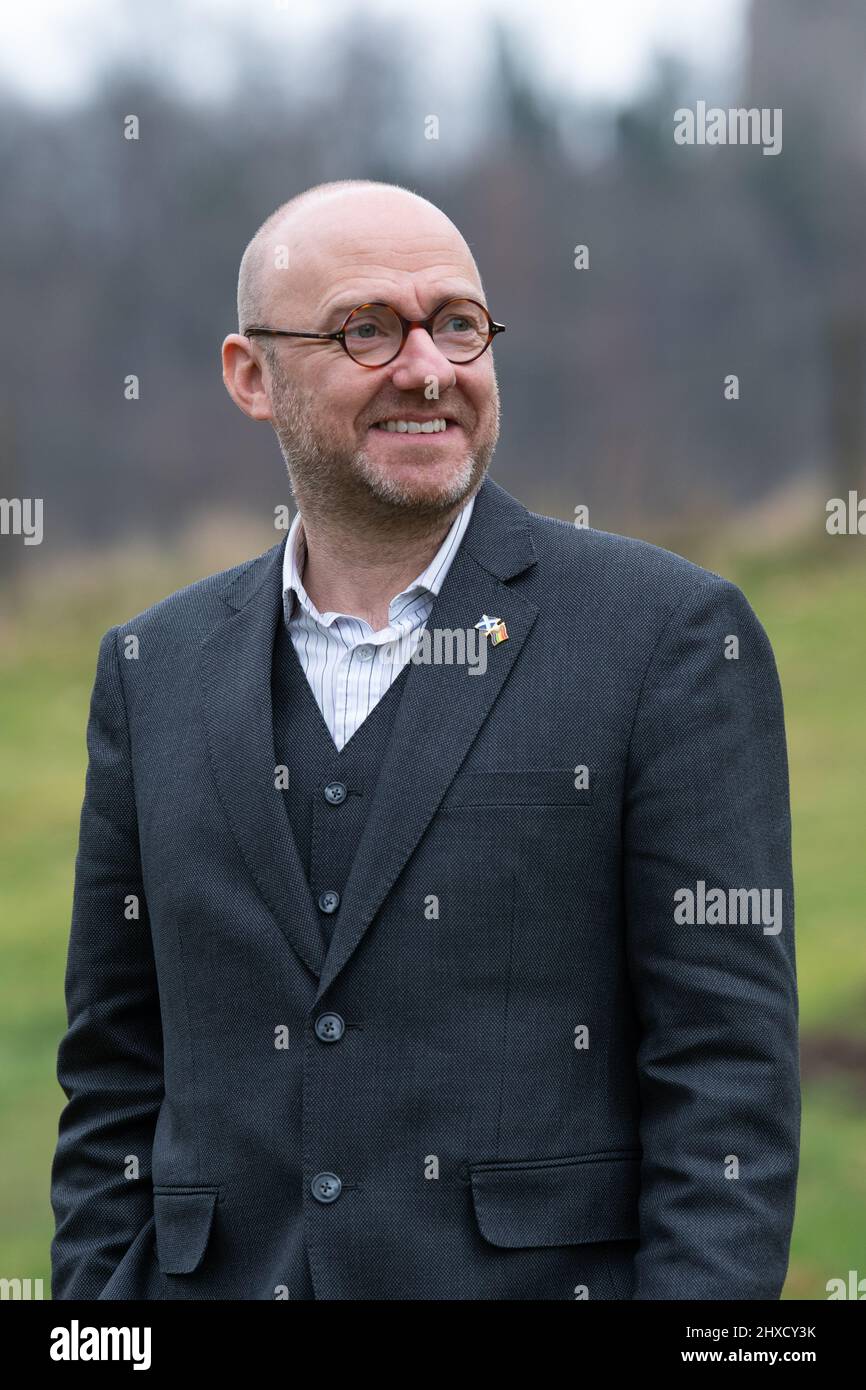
x=551, y=1085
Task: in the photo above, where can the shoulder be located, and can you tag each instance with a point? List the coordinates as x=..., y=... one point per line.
x=625, y=572
x=189, y=614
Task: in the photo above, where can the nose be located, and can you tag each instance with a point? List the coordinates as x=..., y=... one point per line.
x=419, y=360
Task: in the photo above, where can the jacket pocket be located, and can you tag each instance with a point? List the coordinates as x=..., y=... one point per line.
x=579, y=1200
x=533, y=786
x=183, y=1217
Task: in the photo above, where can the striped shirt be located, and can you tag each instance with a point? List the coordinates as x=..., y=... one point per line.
x=348, y=665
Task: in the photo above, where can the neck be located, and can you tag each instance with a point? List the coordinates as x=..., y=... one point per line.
x=358, y=572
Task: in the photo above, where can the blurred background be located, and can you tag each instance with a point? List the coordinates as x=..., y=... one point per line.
x=555, y=130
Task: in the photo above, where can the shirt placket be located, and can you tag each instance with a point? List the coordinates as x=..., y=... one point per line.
x=346, y=704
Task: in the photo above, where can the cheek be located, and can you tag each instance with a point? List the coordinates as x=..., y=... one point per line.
x=482, y=393
x=340, y=395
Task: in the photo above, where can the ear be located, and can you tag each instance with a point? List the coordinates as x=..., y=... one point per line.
x=244, y=377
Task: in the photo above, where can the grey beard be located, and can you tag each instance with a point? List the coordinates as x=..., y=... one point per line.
x=344, y=484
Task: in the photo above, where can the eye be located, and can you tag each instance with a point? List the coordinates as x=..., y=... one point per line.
x=360, y=330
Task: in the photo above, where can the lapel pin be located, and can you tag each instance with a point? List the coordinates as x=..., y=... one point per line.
x=494, y=628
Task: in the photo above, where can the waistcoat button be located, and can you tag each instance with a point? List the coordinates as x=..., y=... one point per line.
x=326, y=1187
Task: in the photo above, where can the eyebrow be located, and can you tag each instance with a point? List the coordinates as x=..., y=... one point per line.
x=338, y=312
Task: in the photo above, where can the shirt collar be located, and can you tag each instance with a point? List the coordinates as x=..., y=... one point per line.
x=430, y=580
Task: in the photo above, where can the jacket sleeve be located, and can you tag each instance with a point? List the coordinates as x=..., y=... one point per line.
x=110, y=1058
x=707, y=807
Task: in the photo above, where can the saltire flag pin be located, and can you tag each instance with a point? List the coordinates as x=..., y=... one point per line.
x=494, y=628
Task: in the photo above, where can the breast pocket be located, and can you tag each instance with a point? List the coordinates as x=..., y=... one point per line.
x=519, y=787
x=531, y=825
x=498, y=826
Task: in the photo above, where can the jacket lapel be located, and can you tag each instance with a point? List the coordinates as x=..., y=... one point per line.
x=235, y=678
x=441, y=711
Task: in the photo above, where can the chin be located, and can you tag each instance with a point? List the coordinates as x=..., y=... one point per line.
x=413, y=485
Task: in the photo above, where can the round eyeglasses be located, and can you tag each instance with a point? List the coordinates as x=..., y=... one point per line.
x=374, y=334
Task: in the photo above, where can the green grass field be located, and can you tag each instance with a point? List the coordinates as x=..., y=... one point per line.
x=810, y=599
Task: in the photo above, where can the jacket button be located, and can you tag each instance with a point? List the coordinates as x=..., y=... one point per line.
x=326, y=1187
x=330, y=1027
x=335, y=792
x=329, y=901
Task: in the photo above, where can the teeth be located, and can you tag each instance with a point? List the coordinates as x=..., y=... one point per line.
x=413, y=426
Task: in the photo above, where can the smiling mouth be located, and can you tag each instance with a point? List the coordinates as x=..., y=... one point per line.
x=413, y=428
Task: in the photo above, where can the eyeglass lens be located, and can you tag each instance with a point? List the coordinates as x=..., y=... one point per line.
x=374, y=332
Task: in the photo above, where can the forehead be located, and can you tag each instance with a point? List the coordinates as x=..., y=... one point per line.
x=355, y=249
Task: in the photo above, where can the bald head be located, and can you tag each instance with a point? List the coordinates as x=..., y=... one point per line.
x=292, y=246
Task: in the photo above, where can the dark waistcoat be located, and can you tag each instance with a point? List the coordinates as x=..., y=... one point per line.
x=327, y=801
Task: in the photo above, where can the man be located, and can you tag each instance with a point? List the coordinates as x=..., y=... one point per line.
x=399, y=978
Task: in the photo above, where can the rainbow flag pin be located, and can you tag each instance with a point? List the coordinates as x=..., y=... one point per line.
x=494, y=628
